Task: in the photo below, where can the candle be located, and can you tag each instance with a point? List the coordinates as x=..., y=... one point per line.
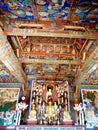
x=17, y=50
x=82, y=118
x=84, y=54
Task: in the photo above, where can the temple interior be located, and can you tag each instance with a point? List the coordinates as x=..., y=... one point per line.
x=49, y=64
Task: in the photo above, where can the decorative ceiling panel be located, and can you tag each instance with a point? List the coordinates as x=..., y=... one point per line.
x=51, y=10
x=56, y=48
x=46, y=45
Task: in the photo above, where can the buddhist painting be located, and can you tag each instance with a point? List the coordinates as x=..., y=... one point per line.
x=90, y=102
x=8, y=101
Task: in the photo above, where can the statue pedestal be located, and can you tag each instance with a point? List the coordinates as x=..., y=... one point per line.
x=67, y=122
x=32, y=121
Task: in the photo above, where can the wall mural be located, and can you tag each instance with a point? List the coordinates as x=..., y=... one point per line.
x=8, y=101
x=92, y=78
x=6, y=76
x=89, y=99
x=56, y=10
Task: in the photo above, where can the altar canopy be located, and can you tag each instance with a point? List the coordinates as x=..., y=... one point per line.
x=50, y=103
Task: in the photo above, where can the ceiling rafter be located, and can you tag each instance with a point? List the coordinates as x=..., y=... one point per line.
x=71, y=11
x=83, y=46
x=19, y=44
x=34, y=10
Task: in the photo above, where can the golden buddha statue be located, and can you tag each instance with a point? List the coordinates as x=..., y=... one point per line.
x=50, y=110
x=66, y=114
x=32, y=113
x=50, y=113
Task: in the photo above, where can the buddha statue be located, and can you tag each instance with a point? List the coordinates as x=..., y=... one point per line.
x=66, y=114
x=33, y=113
x=48, y=95
x=50, y=110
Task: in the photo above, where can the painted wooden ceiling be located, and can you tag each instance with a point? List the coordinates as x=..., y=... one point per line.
x=52, y=39
x=54, y=10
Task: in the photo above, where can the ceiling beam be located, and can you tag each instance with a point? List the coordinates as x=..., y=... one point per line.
x=46, y=78
x=89, y=86
x=28, y=60
x=71, y=11
x=45, y=26
x=10, y=85
x=46, y=33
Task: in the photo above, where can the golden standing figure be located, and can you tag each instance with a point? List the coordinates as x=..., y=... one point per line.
x=32, y=113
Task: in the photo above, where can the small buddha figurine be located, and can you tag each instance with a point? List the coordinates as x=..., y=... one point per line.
x=59, y=101
x=40, y=100
x=55, y=106
x=62, y=99
x=43, y=107
x=66, y=114
x=32, y=113
x=38, y=108
x=65, y=94
x=33, y=102
x=37, y=99
x=34, y=94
